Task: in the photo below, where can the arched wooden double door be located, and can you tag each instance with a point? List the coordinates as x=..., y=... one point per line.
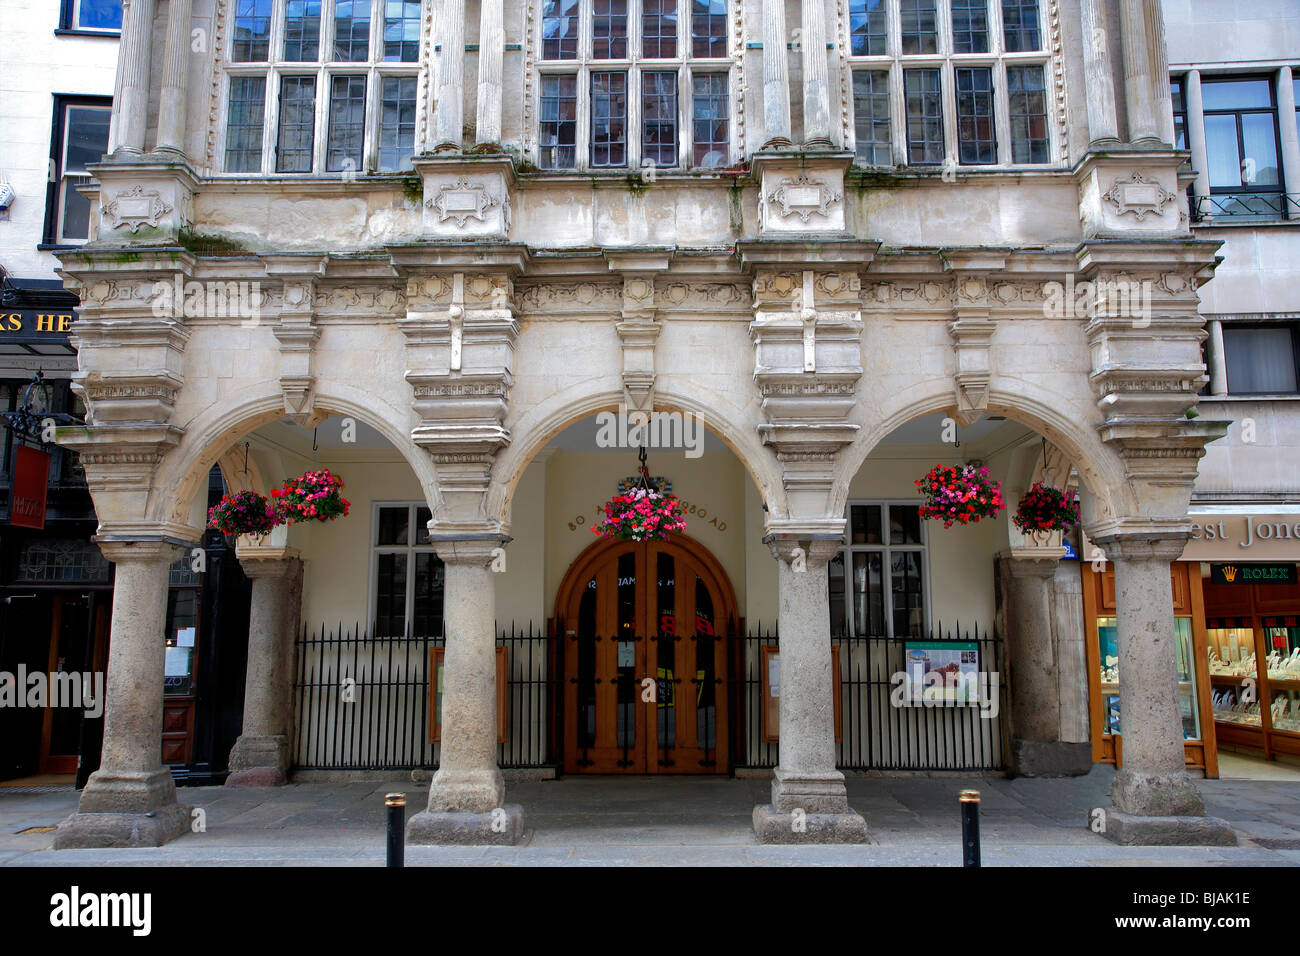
x=645, y=627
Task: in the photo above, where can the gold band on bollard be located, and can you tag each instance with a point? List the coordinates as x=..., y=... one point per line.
x=969, y=796
x=395, y=800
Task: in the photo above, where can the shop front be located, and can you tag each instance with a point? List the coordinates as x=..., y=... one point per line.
x=1246, y=561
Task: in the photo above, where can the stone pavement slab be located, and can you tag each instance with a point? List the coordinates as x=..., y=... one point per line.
x=913, y=821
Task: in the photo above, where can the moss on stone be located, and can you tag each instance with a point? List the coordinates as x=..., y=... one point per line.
x=205, y=244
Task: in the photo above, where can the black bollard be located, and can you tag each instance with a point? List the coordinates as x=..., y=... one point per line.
x=396, y=804
x=970, y=827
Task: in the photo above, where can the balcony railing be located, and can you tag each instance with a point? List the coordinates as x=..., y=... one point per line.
x=1245, y=207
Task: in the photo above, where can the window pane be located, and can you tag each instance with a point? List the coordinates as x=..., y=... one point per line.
x=976, y=139
x=85, y=137
x=1260, y=360
x=609, y=119
x=422, y=516
x=920, y=26
x=392, y=526
x=560, y=30
x=970, y=26
x=558, y=128
x=924, y=116
x=839, y=608
x=352, y=30
x=1236, y=94
x=864, y=524
x=390, y=595
x=99, y=15
x=429, y=580
x=1222, y=148
x=608, y=29
x=76, y=210
x=868, y=27
x=252, y=38
x=904, y=524
x=347, y=123
x=711, y=124
x=659, y=28
x=659, y=119
x=709, y=28
x=397, y=123
x=871, y=117
x=244, y=124
x=868, y=594
x=402, y=31
x=297, y=124
x=1260, y=165
x=302, y=31
x=905, y=589
x=1020, y=25
x=1028, y=114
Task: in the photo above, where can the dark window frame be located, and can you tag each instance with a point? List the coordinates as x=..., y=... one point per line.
x=68, y=25
x=1237, y=112
x=62, y=101
x=1292, y=326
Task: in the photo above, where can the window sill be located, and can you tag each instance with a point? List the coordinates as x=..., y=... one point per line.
x=57, y=246
x=111, y=34
x=1262, y=397
x=1227, y=223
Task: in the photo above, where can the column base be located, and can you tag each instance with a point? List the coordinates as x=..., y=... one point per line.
x=466, y=791
x=503, y=826
x=772, y=826
x=98, y=830
x=809, y=792
x=1156, y=794
x=259, y=761
x=1050, y=758
x=127, y=792
x=1128, y=829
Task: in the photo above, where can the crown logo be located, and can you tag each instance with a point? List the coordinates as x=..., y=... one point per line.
x=1229, y=573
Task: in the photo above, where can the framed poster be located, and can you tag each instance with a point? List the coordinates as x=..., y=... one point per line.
x=435, y=694
x=943, y=670
x=771, y=667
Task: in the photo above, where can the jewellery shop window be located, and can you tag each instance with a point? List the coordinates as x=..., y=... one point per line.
x=185, y=588
x=1253, y=652
x=1102, y=649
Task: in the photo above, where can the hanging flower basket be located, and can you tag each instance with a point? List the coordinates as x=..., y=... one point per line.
x=315, y=496
x=642, y=515
x=959, y=495
x=1045, y=509
x=244, y=513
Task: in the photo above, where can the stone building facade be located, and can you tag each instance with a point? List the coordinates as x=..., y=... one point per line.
x=471, y=227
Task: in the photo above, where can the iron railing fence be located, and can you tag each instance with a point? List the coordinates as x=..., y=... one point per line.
x=362, y=702
x=881, y=727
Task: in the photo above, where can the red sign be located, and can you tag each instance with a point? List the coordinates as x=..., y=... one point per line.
x=31, y=479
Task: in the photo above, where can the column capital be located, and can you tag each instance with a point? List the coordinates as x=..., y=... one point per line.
x=1156, y=545
x=151, y=549
x=268, y=562
x=468, y=548
x=816, y=547
x=1023, y=564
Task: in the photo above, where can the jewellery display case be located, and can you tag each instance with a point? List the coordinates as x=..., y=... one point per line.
x=1104, y=670
x=1253, y=656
